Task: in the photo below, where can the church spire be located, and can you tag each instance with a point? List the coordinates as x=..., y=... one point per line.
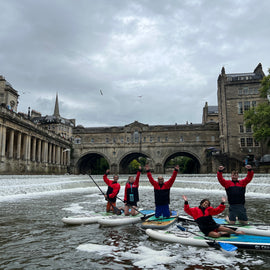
x=56, y=107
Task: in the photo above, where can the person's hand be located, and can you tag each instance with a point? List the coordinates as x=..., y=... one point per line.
x=107, y=171
x=147, y=167
x=223, y=199
x=248, y=167
x=221, y=168
x=184, y=197
x=177, y=167
x=140, y=167
x=106, y=197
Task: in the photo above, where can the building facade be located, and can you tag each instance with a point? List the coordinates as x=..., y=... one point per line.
x=237, y=93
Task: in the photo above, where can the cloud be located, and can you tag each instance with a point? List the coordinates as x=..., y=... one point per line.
x=168, y=53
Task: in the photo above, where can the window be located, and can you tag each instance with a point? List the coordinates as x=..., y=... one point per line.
x=240, y=107
x=181, y=139
x=107, y=140
x=256, y=143
x=242, y=142
x=166, y=139
x=197, y=138
x=241, y=128
x=245, y=90
x=249, y=141
x=240, y=92
x=92, y=140
x=136, y=136
x=212, y=138
x=248, y=129
x=122, y=140
x=246, y=105
x=253, y=104
x=77, y=140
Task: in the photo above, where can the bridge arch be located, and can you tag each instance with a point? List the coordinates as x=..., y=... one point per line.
x=127, y=158
x=89, y=162
x=195, y=165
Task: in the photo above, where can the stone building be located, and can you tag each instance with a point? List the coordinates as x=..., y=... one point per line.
x=237, y=93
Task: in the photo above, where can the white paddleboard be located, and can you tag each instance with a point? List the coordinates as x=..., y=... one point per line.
x=124, y=220
x=247, y=229
x=86, y=219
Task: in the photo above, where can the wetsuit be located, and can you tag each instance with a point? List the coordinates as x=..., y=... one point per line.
x=112, y=191
x=162, y=194
x=131, y=191
x=203, y=216
x=236, y=195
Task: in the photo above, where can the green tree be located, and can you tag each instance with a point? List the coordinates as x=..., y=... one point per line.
x=259, y=117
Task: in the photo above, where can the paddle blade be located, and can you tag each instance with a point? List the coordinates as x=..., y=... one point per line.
x=181, y=228
x=227, y=246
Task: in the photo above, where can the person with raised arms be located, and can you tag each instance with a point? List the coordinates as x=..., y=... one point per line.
x=236, y=190
x=112, y=191
x=132, y=194
x=203, y=217
x=162, y=192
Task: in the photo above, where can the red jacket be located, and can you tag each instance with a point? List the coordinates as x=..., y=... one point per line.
x=132, y=189
x=235, y=189
x=196, y=212
x=162, y=192
x=113, y=188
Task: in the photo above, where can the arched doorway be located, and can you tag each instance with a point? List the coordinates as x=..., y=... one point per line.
x=131, y=162
x=92, y=163
x=187, y=162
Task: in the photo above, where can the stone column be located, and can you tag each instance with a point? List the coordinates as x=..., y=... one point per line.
x=19, y=145
x=28, y=147
x=54, y=155
x=11, y=144
x=3, y=141
x=34, y=149
x=58, y=155
x=39, y=151
x=50, y=153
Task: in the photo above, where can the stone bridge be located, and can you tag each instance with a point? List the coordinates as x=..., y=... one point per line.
x=158, y=143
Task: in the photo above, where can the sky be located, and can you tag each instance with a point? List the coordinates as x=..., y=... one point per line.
x=113, y=62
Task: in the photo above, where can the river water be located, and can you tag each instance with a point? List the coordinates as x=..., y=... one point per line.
x=32, y=235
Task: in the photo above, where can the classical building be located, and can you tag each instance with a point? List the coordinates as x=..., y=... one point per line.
x=25, y=147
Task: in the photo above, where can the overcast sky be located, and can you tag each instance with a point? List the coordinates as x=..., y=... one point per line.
x=113, y=62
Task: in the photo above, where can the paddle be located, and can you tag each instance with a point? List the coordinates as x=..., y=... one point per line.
x=225, y=246
x=115, y=209
x=144, y=215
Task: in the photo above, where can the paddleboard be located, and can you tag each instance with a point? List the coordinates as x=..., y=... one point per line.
x=86, y=219
x=245, y=242
x=247, y=229
x=124, y=220
x=160, y=222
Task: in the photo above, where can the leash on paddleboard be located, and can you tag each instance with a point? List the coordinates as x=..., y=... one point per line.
x=218, y=244
x=115, y=209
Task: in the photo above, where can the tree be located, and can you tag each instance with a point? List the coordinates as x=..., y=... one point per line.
x=259, y=117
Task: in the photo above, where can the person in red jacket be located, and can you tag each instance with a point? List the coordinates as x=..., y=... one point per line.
x=203, y=217
x=132, y=194
x=112, y=191
x=236, y=190
x=162, y=192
